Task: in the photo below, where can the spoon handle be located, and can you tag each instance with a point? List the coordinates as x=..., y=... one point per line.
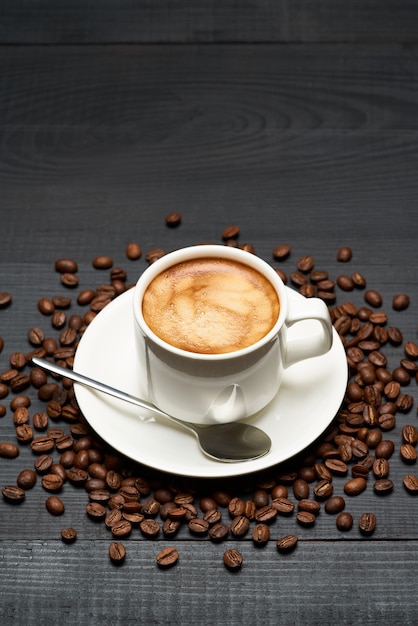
x=95, y=384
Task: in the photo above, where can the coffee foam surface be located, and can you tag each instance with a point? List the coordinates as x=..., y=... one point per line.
x=210, y=306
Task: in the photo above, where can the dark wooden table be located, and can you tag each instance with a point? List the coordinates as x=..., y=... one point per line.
x=296, y=121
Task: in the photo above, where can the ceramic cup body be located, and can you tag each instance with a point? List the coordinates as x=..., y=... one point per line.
x=219, y=388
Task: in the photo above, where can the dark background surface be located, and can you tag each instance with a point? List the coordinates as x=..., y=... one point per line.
x=298, y=122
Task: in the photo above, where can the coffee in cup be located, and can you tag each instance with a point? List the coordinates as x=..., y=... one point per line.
x=210, y=305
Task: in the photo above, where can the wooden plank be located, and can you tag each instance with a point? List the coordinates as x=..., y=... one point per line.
x=107, y=21
x=124, y=117
x=77, y=585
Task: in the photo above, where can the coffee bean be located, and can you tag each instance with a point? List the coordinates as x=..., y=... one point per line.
x=408, y=453
x=383, y=486
x=13, y=494
x=231, y=232
x=373, y=298
x=344, y=521
x=283, y=505
x=154, y=255
x=233, y=559
x=5, y=299
x=358, y=279
x=55, y=505
x=102, y=262
x=344, y=254
x=411, y=349
x=267, y=514
x=9, y=450
x=305, y=518
x=173, y=219
x=345, y=283
x=260, y=534
x=281, y=251
x=218, y=532
x=199, y=526
x=334, y=504
x=133, y=251
x=310, y=506
x=69, y=279
x=287, y=543
x=305, y=264
x=117, y=552
x=355, y=486
x=26, y=479
x=410, y=434
x=68, y=535
x=167, y=557
x=149, y=528
x=410, y=482
x=300, y=489
x=400, y=301
x=367, y=523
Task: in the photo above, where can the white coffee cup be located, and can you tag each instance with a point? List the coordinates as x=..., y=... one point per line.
x=207, y=388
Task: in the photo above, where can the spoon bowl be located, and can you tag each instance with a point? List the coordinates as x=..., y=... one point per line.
x=229, y=442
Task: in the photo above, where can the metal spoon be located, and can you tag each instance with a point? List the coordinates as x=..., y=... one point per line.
x=230, y=442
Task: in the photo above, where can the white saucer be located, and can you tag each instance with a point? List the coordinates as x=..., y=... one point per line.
x=310, y=396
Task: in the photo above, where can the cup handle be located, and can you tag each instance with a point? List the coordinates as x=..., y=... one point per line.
x=310, y=345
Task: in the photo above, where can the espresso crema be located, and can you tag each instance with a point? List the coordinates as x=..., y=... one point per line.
x=210, y=306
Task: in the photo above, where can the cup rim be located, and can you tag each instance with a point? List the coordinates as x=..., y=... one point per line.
x=213, y=251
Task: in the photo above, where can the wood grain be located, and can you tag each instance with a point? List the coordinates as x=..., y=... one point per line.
x=161, y=21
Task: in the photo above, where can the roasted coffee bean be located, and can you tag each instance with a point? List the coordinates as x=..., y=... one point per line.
x=344, y=521
x=304, y=518
x=13, y=494
x=97, y=512
x=167, y=557
x=408, y=453
x=200, y=526
x=345, y=283
x=401, y=375
x=334, y=505
x=298, y=278
x=344, y=254
x=381, y=468
x=5, y=299
x=383, y=486
x=24, y=433
x=154, y=254
x=305, y=264
x=373, y=298
x=300, y=489
x=55, y=505
x=385, y=449
x=404, y=402
x=267, y=514
x=66, y=265
x=400, y=301
x=260, y=534
x=52, y=482
x=336, y=467
x=149, y=528
x=367, y=523
x=102, y=262
x=68, y=535
x=43, y=463
x=40, y=420
x=117, y=552
x=69, y=279
x=233, y=559
x=26, y=479
x=309, y=505
x=77, y=476
x=355, y=486
x=323, y=489
x=46, y=306
x=387, y=421
x=359, y=471
x=281, y=251
x=133, y=251
x=41, y=445
x=411, y=350
x=212, y=517
x=219, y=532
x=287, y=543
x=9, y=450
x=236, y=507
x=410, y=434
x=283, y=505
x=410, y=482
